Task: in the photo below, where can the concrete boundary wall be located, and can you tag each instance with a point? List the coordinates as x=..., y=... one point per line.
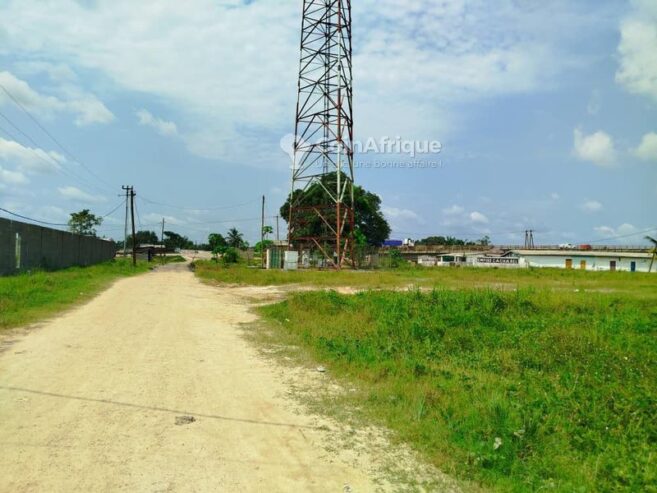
x=24, y=247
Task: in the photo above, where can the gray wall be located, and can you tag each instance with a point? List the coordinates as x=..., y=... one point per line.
x=48, y=248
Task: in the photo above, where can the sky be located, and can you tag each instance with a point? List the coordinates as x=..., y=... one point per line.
x=546, y=114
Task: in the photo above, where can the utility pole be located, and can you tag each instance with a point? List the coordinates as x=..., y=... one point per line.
x=134, y=236
x=278, y=238
x=262, y=234
x=162, y=241
x=125, y=227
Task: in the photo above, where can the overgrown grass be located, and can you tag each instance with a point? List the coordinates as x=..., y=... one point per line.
x=522, y=390
x=168, y=259
x=638, y=284
x=29, y=297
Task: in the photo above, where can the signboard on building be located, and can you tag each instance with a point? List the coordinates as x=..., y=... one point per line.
x=498, y=260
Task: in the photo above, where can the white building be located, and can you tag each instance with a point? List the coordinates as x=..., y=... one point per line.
x=585, y=260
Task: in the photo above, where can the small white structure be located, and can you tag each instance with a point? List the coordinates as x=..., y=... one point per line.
x=291, y=261
x=586, y=260
x=426, y=261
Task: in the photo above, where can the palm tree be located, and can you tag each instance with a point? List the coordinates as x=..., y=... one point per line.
x=654, y=251
x=235, y=239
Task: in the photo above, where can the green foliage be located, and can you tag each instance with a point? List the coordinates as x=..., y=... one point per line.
x=29, y=297
x=267, y=230
x=521, y=391
x=174, y=241
x=84, y=223
x=144, y=238
x=216, y=240
x=261, y=247
x=395, y=259
x=230, y=256
x=235, y=239
x=369, y=219
x=449, y=241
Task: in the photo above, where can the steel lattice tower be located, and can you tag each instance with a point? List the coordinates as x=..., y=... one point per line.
x=323, y=147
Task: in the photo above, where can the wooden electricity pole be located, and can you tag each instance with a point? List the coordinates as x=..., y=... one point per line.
x=262, y=234
x=162, y=241
x=134, y=236
x=278, y=238
x=125, y=224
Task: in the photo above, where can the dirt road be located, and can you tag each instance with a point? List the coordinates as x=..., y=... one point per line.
x=98, y=400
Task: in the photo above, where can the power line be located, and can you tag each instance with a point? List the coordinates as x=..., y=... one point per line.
x=31, y=219
x=113, y=210
x=138, y=216
x=52, y=137
x=624, y=236
x=152, y=202
x=48, y=158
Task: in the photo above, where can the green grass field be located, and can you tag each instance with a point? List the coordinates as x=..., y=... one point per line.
x=27, y=298
x=636, y=284
x=520, y=391
x=518, y=380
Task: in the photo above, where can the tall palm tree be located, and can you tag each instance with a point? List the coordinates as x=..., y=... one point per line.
x=235, y=239
x=654, y=251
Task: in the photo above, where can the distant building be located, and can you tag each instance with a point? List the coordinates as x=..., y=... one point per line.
x=585, y=260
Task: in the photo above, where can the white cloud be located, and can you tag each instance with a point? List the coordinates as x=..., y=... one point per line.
x=592, y=206
x=12, y=177
x=154, y=218
x=86, y=107
x=647, y=150
x=28, y=159
x=163, y=127
x=555, y=196
x=454, y=210
x=51, y=213
x=394, y=213
x=597, y=148
x=637, y=48
x=230, y=67
x=57, y=72
x=77, y=195
x=478, y=217
x=625, y=233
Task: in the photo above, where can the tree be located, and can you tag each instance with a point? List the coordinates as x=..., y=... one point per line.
x=216, y=240
x=144, y=238
x=262, y=246
x=235, y=239
x=84, y=223
x=267, y=230
x=174, y=241
x=368, y=218
x=654, y=251
x=485, y=241
x=450, y=241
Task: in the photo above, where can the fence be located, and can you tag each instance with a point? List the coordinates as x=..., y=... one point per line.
x=26, y=246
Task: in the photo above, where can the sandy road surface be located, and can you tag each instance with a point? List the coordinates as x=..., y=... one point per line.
x=89, y=401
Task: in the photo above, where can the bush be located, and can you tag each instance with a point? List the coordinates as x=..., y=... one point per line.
x=230, y=256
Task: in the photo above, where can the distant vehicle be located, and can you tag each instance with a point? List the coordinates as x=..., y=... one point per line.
x=566, y=246
x=408, y=242
x=586, y=247
x=393, y=243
